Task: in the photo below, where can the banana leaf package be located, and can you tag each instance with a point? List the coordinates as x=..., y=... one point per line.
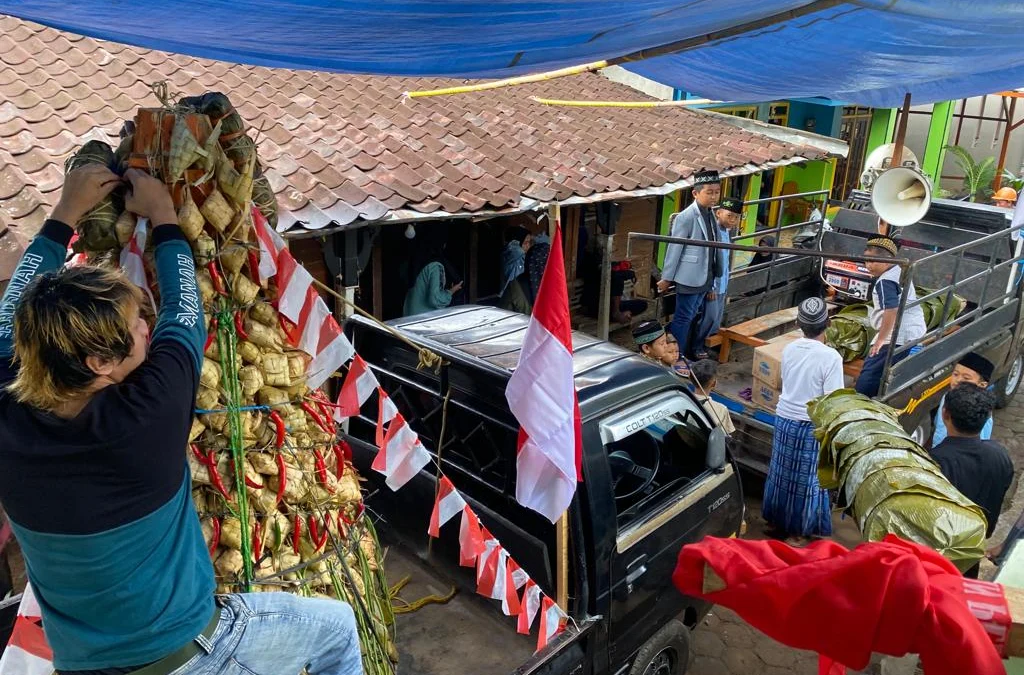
x=850, y=332
x=889, y=483
x=934, y=308
x=278, y=498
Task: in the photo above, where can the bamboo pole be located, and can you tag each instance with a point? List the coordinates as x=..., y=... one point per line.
x=897, y=152
x=1006, y=143
x=562, y=526
x=512, y=81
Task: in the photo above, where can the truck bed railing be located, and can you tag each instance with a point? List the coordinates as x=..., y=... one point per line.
x=942, y=346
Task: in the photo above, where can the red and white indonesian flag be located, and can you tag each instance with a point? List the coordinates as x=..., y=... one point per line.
x=27, y=651
x=448, y=504
x=131, y=260
x=542, y=395
x=359, y=384
x=271, y=244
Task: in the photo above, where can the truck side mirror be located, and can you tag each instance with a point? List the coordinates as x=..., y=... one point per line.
x=715, y=458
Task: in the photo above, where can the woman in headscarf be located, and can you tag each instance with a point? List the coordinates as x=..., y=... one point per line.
x=513, y=257
x=536, y=261
x=761, y=258
x=429, y=289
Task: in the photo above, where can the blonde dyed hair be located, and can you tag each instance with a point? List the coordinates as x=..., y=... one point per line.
x=64, y=317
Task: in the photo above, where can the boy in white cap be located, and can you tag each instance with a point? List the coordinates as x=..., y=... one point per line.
x=794, y=502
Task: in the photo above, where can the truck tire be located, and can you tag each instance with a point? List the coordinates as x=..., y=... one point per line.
x=666, y=653
x=1007, y=386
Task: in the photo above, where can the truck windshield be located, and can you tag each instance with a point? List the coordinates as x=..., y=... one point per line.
x=659, y=458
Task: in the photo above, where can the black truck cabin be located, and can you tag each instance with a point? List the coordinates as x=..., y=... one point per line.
x=647, y=489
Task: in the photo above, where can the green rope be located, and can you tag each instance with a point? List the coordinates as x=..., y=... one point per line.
x=227, y=342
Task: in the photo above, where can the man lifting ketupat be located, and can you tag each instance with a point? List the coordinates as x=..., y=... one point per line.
x=96, y=414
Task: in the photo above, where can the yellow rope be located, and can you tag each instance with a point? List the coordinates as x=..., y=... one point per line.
x=624, y=104
x=428, y=359
x=511, y=81
x=928, y=393
x=404, y=607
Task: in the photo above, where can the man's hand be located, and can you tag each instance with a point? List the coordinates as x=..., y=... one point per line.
x=711, y=295
x=663, y=285
x=84, y=188
x=149, y=198
x=876, y=347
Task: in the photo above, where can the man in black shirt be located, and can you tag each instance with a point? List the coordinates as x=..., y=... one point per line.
x=980, y=470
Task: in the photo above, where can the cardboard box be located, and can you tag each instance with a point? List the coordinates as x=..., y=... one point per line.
x=765, y=395
x=768, y=360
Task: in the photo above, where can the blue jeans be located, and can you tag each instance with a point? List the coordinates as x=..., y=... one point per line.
x=710, y=321
x=279, y=634
x=687, y=305
x=870, y=379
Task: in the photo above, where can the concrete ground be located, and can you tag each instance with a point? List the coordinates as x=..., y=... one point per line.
x=726, y=645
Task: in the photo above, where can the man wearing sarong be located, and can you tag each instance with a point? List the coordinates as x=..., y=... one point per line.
x=794, y=503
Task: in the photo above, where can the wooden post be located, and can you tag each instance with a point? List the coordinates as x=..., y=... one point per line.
x=897, y=152
x=554, y=216
x=474, y=261
x=378, y=278
x=604, y=302
x=1006, y=142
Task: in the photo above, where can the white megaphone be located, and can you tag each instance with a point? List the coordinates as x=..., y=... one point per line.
x=901, y=195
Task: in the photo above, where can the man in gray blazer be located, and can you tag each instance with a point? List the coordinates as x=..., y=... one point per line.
x=692, y=268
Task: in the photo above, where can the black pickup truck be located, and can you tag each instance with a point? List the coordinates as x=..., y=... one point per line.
x=651, y=484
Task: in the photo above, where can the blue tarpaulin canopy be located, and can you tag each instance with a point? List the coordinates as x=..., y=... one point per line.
x=868, y=51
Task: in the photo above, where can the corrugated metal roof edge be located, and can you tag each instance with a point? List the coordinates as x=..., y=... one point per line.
x=403, y=216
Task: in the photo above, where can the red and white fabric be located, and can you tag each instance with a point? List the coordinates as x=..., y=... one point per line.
x=27, y=652
x=131, y=260
x=359, y=384
x=531, y=605
x=487, y=563
x=542, y=395
x=74, y=259
x=271, y=244
x=448, y=504
x=401, y=456
x=471, y=539
x=386, y=411
x=551, y=617
x=332, y=352
x=293, y=286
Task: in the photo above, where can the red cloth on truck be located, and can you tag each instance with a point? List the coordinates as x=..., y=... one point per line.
x=891, y=597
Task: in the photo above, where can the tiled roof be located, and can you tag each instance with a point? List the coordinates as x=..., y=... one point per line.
x=343, y=149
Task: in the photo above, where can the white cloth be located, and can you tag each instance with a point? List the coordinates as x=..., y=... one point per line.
x=809, y=369
x=912, y=325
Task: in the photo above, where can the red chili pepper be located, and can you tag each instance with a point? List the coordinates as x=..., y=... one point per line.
x=326, y=412
x=254, y=266
x=275, y=417
x=210, y=462
x=346, y=448
x=351, y=521
x=215, y=539
x=321, y=469
x=296, y=534
x=257, y=543
x=218, y=281
x=282, y=478
x=211, y=334
x=315, y=416
x=253, y=484
x=240, y=326
x=339, y=458
x=318, y=538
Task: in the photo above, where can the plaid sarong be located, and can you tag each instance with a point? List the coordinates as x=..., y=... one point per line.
x=793, y=500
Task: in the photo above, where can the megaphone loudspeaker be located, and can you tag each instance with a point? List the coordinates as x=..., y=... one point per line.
x=901, y=196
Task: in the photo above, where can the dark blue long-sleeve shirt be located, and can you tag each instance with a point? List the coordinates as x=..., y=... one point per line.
x=101, y=503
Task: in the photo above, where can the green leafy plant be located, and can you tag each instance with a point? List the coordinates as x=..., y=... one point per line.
x=1011, y=180
x=978, y=176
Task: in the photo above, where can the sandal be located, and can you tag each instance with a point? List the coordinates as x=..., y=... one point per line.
x=700, y=356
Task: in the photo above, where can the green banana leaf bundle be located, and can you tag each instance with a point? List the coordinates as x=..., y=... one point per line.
x=850, y=332
x=934, y=308
x=889, y=483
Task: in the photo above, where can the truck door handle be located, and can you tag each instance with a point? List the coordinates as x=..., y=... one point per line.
x=636, y=569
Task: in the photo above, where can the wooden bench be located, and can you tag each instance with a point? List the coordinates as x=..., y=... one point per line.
x=749, y=332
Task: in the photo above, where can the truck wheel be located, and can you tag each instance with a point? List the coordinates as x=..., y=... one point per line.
x=666, y=653
x=1007, y=387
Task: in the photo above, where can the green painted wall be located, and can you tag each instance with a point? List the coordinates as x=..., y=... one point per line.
x=883, y=122
x=938, y=136
x=753, y=192
x=669, y=205
x=817, y=175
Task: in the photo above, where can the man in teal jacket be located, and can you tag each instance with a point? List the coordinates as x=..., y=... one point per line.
x=94, y=420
